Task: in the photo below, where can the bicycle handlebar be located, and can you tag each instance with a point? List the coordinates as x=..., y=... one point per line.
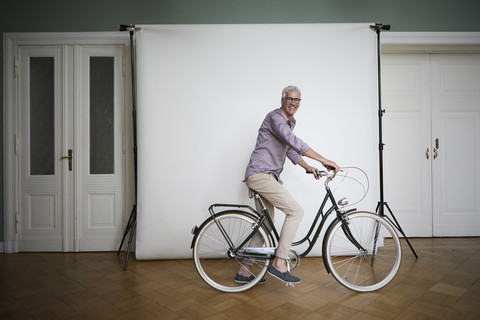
x=323, y=173
x=327, y=174
x=330, y=175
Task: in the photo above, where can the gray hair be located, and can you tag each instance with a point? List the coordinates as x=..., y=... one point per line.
x=290, y=88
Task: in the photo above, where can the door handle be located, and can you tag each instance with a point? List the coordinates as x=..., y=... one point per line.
x=427, y=154
x=435, y=149
x=69, y=157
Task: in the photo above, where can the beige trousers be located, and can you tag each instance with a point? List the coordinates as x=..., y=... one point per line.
x=275, y=195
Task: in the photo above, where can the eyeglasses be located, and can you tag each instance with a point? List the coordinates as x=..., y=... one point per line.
x=290, y=99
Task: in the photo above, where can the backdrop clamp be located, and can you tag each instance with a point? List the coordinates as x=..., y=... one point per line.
x=129, y=27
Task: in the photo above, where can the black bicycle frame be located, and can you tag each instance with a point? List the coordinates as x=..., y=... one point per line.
x=260, y=222
x=275, y=237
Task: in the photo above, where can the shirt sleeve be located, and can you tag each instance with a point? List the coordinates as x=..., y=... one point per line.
x=282, y=131
x=294, y=156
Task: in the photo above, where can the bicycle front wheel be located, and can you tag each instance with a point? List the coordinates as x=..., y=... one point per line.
x=363, y=255
x=215, y=259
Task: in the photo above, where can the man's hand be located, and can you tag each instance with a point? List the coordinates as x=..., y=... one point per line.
x=331, y=165
x=313, y=170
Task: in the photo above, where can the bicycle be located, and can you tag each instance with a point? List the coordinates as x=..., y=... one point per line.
x=360, y=249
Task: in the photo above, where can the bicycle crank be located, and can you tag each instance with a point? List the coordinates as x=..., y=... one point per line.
x=293, y=260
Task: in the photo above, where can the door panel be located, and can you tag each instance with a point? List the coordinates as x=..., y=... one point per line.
x=42, y=181
x=456, y=125
x=100, y=115
x=407, y=171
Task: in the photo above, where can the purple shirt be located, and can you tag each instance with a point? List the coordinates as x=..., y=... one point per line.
x=275, y=142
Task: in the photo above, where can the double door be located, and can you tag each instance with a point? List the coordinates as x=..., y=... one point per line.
x=432, y=142
x=70, y=147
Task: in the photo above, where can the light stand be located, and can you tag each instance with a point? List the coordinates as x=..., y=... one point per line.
x=132, y=221
x=382, y=204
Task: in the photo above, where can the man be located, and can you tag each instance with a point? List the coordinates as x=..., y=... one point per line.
x=275, y=142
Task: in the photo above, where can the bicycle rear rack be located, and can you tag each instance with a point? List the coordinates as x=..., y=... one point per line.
x=212, y=212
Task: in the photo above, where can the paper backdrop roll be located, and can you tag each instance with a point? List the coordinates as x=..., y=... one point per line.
x=203, y=91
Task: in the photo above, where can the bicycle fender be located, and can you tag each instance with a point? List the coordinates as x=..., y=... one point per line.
x=324, y=244
x=327, y=232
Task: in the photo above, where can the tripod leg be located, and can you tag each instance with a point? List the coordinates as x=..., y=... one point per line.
x=130, y=241
x=375, y=241
x=128, y=227
x=397, y=225
x=379, y=209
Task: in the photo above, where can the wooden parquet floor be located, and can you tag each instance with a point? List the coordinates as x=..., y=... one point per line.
x=444, y=283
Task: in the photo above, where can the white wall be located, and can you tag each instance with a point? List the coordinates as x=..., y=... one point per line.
x=203, y=91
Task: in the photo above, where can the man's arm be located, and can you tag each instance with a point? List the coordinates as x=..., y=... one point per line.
x=328, y=164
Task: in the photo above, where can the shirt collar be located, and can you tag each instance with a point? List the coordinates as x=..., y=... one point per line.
x=279, y=110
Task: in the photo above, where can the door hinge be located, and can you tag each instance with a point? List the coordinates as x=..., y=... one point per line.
x=15, y=67
x=17, y=222
x=124, y=144
x=16, y=145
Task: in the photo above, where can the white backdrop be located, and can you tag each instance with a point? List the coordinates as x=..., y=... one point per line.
x=203, y=91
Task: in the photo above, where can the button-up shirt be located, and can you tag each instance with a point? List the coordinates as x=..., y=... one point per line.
x=275, y=142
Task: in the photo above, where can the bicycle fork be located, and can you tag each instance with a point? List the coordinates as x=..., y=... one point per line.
x=352, y=239
x=349, y=234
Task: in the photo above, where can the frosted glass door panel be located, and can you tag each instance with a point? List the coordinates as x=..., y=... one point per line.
x=101, y=115
x=42, y=128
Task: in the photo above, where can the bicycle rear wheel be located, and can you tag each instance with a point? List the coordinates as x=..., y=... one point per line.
x=369, y=268
x=214, y=258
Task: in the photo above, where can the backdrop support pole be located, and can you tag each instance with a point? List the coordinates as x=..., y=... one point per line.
x=382, y=204
x=132, y=221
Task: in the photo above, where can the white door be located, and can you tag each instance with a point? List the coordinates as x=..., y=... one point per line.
x=406, y=134
x=43, y=180
x=431, y=137
x=456, y=158
x=70, y=147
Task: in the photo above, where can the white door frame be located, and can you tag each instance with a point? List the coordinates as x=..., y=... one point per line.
x=11, y=41
x=430, y=42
